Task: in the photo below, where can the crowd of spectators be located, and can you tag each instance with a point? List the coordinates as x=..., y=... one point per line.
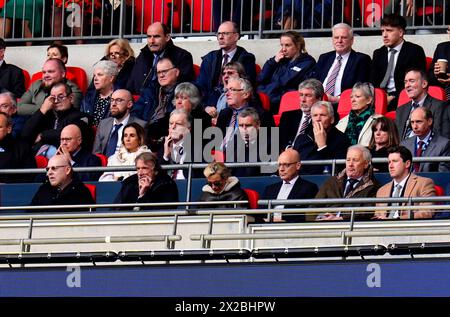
x=150, y=111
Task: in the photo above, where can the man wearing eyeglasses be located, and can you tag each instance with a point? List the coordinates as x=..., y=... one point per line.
x=60, y=187
x=291, y=186
x=110, y=129
x=437, y=76
x=209, y=80
x=53, y=72
x=45, y=125
x=155, y=104
x=159, y=45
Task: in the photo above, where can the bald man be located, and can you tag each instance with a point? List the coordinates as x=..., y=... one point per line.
x=61, y=188
x=121, y=105
x=159, y=45
x=291, y=186
x=71, y=146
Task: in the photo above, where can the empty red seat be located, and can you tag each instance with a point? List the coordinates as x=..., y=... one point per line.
x=41, y=161
x=93, y=189
x=253, y=197
x=103, y=158
x=27, y=79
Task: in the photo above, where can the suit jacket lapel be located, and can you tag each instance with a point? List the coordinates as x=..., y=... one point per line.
x=410, y=185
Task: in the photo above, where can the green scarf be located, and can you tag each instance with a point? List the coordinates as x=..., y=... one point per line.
x=356, y=123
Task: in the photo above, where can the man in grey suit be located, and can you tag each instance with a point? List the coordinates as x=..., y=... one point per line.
x=109, y=132
x=416, y=87
x=426, y=142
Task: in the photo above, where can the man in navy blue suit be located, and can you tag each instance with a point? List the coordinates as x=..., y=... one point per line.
x=340, y=69
x=291, y=186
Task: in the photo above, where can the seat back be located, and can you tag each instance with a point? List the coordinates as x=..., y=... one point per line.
x=439, y=190
x=41, y=161
x=381, y=103
x=265, y=100
x=253, y=197
x=289, y=101
x=429, y=60
x=345, y=103
x=103, y=159
x=434, y=91
x=93, y=189
x=201, y=15
x=196, y=71
x=27, y=79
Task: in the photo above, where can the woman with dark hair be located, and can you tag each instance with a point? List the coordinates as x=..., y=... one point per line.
x=133, y=137
x=97, y=102
x=357, y=125
x=58, y=51
x=287, y=69
x=385, y=136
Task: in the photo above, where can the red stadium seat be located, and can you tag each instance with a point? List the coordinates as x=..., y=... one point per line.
x=439, y=190
x=41, y=161
x=265, y=100
x=136, y=97
x=103, y=158
x=196, y=71
x=434, y=91
x=253, y=197
x=201, y=9
x=26, y=76
x=150, y=11
x=381, y=103
x=93, y=189
x=75, y=74
x=429, y=60
x=345, y=104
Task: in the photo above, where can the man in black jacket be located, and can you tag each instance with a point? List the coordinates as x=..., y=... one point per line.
x=13, y=153
x=61, y=188
x=159, y=45
x=11, y=76
x=149, y=185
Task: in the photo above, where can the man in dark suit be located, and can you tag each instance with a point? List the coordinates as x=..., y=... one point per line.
x=390, y=62
x=426, y=143
x=292, y=185
x=71, y=146
x=323, y=141
x=209, y=80
x=121, y=105
x=159, y=45
x=340, y=69
x=416, y=86
x=296, y=122
x=11, y=76
x=442, y=52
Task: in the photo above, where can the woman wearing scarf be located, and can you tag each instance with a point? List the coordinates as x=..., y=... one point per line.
x=358, y=124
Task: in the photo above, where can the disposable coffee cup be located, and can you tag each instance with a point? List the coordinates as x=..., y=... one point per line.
x=442, y=68
x=442, y=65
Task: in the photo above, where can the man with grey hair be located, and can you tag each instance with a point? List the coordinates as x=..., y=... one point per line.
x=340, y=69
x=8, y=105
x=296, y=122
x=355, y=181
x=323, y=141
x=177, y=144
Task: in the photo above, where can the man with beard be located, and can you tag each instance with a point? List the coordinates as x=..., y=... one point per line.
x=109, y=131
x=53, y=72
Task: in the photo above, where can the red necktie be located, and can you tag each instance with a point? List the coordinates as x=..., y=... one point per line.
x=418, y=154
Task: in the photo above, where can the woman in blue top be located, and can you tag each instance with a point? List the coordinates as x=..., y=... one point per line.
x=287, y=69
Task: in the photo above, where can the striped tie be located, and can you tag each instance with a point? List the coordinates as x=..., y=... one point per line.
x=329, y=89
x=230, y=131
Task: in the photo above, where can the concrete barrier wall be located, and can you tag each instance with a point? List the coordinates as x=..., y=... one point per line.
x=32, y=58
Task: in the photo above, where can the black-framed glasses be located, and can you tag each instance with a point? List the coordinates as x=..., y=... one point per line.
x=232, y=90
x=164, y=72
x=58, y=98
x=219, y=34
x=285, y=165
x=54, y=168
